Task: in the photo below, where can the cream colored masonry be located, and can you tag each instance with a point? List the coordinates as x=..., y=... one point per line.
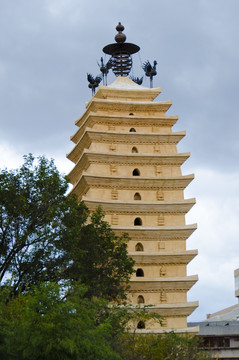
x=126, y=159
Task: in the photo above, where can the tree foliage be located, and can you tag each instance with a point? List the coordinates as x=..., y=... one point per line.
x=46, y=236
x=48, y=324
x=42, y=324
x=101, y=258
x=33, y=208
x=168, y=346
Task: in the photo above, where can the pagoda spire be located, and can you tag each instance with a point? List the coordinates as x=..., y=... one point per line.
x=121, y=52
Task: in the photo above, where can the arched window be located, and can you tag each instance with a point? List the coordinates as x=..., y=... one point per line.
x=141, y=325
x=139, y=247
x=134, y=149
x=138, y=222
x=132, y=130
x=137, y=196
x=131, y=114
x=140, y=273
x=140, y=299
x=136, y=172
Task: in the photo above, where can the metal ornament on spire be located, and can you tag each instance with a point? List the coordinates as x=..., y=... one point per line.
x=121, y=53
x=150, y=70
x=104, y=68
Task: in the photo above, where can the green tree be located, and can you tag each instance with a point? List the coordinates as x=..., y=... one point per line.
x=168, y=346
x=33, y=211
x=101, y=259
x=43, y=324
x=46, y=323
x=46, y=236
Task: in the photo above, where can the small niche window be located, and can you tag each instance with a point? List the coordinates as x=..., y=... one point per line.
x=137, y=196
x=140, y=299
x=134, y=149
x=138, y=221
x=132, y=130
x=139, y=247
x=141, y=325
x=140, y=273
x=136, y=172
x=131, y=114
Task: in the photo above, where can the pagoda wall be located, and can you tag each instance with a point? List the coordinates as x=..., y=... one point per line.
x=153, y=195
x=127, y=170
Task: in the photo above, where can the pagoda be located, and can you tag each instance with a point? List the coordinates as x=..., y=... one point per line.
x=126, y=160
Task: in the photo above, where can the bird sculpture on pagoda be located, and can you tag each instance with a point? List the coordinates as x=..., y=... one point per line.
x=94, y=82
x=150, y=70
x=104, y=68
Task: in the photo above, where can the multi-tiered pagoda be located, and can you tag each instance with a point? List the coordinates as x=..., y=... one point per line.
x=126, y=160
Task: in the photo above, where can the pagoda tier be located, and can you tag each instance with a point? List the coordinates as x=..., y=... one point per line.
x=157, y=239
x=166, y=184
x=133, y=93
x=126, y=160
x=151, y=165
x=172, y=313
x=115, y=123
x=90, y=139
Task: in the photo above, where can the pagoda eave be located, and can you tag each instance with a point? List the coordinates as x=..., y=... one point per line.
x=90, y=118
x=156, y=233
x=165, y=257
x=118, y=105
x=146, y=284
x=140, y=207
x=89, y=157
x=133, y=137
x=141, y=183
x=174, y=309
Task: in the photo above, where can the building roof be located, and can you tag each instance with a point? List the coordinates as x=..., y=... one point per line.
x=217, y=328
x=228, y=314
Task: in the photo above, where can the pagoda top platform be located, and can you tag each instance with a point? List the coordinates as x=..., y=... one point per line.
x=125, y=88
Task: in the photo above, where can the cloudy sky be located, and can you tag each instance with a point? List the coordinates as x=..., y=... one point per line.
x=48, y=46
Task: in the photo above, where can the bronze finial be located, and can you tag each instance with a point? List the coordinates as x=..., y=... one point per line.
x=120, y=37
x=121, y=53
x=120, y=27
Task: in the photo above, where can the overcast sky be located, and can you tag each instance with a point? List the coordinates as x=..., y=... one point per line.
x=48, y=46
